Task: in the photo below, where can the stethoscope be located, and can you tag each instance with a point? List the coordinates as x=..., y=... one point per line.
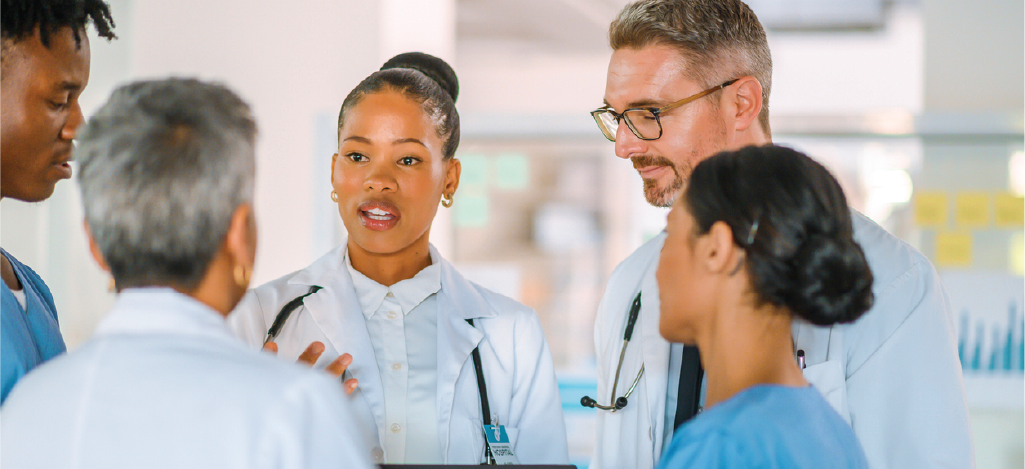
x=620, y=402
x=478, y=368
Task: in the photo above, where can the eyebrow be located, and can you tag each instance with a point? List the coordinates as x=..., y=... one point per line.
x=400, y=141
x=635, y=104
x=69, y=86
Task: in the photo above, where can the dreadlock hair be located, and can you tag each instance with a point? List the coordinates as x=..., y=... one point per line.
x=22, y=17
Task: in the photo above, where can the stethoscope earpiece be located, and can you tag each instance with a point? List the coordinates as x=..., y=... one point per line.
x=620, y=403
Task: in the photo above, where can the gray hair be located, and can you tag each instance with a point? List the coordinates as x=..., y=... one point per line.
x=720, y=39
x=163, y=166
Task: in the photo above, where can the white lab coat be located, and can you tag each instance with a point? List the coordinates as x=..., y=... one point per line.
x=164, y=384
x=894, y=374
x=519, y=373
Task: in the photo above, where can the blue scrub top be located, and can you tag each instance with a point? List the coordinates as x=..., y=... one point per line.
x=28, y=336
x=767, y=426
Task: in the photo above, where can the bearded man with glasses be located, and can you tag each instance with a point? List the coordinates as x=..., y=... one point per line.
x=691, y=78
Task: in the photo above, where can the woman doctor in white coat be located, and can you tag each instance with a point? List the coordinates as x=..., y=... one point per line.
x=409, y=320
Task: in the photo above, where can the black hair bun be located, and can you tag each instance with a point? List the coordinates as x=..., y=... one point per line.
x=832, y=280
x=436, y=69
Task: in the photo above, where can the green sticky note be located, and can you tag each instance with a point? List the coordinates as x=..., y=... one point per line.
x=475, y=171
x=512, y=171
x=471, y=211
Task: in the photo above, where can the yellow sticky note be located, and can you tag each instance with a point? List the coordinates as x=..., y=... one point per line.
x=1017, y=250
x=971, y=209
x=931, y=209
x=1009, y=210
x=953, y=250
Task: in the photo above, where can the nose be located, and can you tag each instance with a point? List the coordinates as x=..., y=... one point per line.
x=380, y=180
x=627, y=144
x=74, y=121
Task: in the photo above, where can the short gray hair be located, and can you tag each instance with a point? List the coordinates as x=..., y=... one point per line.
x=163, y=166
x=720, y=39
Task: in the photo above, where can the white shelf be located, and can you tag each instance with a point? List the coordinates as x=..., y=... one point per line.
x=995, y=390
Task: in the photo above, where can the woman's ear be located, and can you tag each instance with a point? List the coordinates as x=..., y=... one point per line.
x=746, y=102
x=452, y=173
x=240, y=243
x=716, y=249
x=94, y=248
x=334, y=159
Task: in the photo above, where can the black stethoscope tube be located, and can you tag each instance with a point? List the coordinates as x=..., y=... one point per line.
x=620, y=402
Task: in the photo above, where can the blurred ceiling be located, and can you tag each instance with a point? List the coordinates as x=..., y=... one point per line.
x=580, y=26
x=550, y=26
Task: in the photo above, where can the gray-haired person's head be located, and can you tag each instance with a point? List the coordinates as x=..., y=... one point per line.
x=720, y=40
x=163, y=166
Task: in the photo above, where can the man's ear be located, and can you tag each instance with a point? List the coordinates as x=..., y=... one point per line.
x=716, y=249
x=746, y=102
x=94, y=248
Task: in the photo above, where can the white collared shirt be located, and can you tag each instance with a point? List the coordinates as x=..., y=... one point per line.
x=164, y=384
x=21, y=297
x=403, y=324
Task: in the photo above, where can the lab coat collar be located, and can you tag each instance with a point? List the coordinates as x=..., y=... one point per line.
x=336, y=310
x=458, y=301
x=408, y=293
x=655, y=348
x=156, y=310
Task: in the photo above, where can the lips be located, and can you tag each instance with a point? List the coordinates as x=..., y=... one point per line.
x=653, y=172
x=62, y=164
x=378, y=215
x=652, y=167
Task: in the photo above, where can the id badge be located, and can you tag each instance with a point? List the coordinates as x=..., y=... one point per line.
x=499, y=444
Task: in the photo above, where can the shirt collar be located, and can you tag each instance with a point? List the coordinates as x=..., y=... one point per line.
x=408, y=294
x=162, y=310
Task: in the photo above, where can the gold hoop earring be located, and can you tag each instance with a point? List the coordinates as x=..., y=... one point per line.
x=242, y=276
x=111, y=285
x=334, y=196
x=447, y=200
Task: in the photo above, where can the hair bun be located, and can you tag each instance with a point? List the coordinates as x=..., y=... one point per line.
x=834, y=281
x=438, y=70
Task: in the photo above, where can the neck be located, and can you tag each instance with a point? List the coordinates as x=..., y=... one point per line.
x=218, y=289
x=391, y=268
x=748, y=346
x=753, y=135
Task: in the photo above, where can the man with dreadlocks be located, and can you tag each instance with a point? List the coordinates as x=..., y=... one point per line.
x=44, y=66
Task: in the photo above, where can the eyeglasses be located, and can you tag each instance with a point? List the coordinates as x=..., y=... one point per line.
x=643, y=121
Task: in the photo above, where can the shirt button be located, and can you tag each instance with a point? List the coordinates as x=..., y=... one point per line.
x=377, y=454
x=390, y=295
x=395, y=428
x=392, y=314
x=396, y=366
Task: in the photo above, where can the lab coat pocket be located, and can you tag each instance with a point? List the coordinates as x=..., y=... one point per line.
x=828, y=379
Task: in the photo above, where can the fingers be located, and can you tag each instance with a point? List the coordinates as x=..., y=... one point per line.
x=271, y=347
x=339, y=365
x=350, y=385
x=311, y=354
